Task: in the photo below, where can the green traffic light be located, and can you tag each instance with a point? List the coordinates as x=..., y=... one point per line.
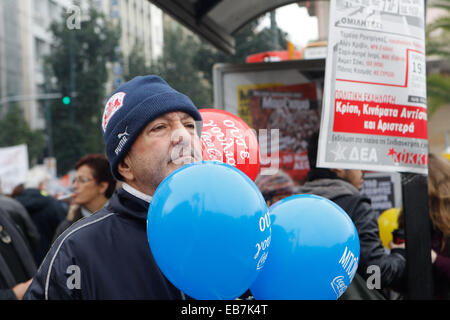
x=66, y=100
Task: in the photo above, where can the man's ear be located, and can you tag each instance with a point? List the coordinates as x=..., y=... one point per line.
x=124, y=168
x=339, y=172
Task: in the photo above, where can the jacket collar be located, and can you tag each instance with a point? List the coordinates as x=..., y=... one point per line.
x=126, y=201
x=136, y=193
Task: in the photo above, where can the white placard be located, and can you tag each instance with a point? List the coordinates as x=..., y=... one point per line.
x=374, y=114
x=13, y=167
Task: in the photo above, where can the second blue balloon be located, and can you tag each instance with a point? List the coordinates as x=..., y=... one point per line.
x=314, y=252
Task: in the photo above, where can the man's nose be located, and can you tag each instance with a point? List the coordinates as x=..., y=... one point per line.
x=180, y=135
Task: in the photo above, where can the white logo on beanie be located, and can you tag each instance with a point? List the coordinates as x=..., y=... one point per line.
x=125, y=133
x=114, y=103
x=123, y=139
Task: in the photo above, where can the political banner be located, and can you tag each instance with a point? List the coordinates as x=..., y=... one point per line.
x=243, y=105
x=374, y=114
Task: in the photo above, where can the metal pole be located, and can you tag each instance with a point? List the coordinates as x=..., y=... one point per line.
x=418, y=237
x=41, y=96
x=71, y=76
x=48, y=123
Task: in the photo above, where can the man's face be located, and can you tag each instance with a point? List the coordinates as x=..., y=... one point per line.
x=166, y=143
x=355, y=177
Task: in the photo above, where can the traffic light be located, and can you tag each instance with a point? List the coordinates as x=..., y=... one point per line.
x=66, y=100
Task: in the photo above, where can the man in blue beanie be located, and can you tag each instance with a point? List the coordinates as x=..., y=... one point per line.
x=150, y=130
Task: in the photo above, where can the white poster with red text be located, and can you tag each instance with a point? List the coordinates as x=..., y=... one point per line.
x=374, y=114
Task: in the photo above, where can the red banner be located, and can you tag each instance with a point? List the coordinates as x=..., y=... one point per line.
x=384, y=119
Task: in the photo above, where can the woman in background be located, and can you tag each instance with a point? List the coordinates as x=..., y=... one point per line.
x=439, y=208
x=93, y=186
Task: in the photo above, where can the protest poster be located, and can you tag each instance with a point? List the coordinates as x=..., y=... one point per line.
x=374, y=114
x=244, y=102
x=13, y=167
x=293, y=110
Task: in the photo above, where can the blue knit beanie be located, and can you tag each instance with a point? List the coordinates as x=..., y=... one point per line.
x=132, y=106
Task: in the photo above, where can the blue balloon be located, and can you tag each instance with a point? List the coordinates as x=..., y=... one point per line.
x=314, y=252
x=208, y=228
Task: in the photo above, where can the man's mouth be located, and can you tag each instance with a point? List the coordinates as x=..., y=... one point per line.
x=182, y=159
x=184, y=155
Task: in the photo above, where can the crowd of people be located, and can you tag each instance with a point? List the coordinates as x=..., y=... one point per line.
x=93, y=245
x=31, y=219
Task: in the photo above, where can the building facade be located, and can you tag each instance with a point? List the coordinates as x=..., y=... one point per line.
x=25, y=40
x=141, y=24
x=10, y=51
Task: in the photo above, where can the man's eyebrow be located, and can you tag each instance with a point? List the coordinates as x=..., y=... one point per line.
x=167, y=117
x=186, y=115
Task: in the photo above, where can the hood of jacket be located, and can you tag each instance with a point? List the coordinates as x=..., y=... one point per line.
x=329, y=188
x=128, y=205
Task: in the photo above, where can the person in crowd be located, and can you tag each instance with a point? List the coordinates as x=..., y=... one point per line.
x=22, y=219
x=439, y=208
x=150, y=130
x=275, y=187
x=342, y=186
x=17, y=265
x=92, y=186
x=46, y=212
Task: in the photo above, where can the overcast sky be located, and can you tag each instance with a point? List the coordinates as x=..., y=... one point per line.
x=295, y=20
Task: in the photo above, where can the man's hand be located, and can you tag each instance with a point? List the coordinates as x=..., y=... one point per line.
x=20, y=289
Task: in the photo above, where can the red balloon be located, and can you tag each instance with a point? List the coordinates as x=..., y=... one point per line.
x=227, y=138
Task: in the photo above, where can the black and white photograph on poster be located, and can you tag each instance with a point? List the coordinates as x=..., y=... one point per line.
x=383, y=189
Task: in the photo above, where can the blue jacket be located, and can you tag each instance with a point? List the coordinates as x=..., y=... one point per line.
x=104, y=256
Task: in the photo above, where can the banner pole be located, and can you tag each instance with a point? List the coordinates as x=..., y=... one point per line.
x=417, y=236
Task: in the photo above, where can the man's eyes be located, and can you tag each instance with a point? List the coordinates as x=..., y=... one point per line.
x=159, y=127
